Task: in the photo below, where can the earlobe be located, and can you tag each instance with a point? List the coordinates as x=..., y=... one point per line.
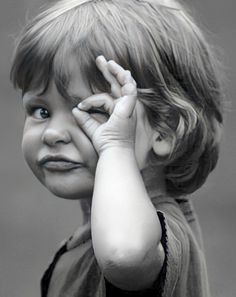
x=161, y=145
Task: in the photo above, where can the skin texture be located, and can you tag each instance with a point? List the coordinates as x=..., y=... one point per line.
x=59, y=133
x=106, y=153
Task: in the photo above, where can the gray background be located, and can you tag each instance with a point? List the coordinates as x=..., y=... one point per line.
x=33, y=222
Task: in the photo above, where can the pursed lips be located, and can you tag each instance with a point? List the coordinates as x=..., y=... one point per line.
x=59, y=163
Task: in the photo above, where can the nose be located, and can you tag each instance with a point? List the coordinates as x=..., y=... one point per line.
x=56, y=134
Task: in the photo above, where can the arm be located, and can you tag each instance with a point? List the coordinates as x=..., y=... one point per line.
x=126, y=230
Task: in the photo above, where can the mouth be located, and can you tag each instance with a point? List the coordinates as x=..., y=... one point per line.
x=59, y=163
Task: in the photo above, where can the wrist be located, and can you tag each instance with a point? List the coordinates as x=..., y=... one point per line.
x=118, y=148
x=120, y=154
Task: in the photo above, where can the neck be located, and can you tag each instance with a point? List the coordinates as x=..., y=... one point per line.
x=154, y=181
x=85, y=205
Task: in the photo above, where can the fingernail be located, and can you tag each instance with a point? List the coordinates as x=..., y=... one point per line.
x=111, y=62
x=101, y=59
x=81, y=105
x=75, y=110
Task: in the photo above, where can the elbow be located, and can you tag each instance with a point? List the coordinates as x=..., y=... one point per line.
x=126, y=257
x=129, y=266
x=122, y=266
x=123, y=254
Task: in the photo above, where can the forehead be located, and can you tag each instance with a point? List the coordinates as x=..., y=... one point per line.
x=78, y=83
x=77, y=89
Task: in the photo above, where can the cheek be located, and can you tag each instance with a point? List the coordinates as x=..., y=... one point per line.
x=30, y=147
x=86, y=151
x=30, y=144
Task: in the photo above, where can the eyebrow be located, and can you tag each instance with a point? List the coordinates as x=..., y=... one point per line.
x=74, y=99
x=29, y=97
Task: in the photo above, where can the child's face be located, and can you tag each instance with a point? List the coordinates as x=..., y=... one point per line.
x=57, y=150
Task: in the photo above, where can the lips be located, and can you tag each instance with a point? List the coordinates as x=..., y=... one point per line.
x=59, y=163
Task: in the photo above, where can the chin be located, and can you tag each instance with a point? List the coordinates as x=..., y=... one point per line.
x=71, y=194
x=70, y=188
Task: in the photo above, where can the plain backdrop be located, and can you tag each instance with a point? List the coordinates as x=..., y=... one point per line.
x=33, y=222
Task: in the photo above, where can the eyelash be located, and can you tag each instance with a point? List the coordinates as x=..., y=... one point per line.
x=100, y=111
x=33, y=109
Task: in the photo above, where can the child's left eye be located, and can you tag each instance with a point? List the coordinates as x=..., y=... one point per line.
x=40, y=113
x=99, y=111
x=99, y=114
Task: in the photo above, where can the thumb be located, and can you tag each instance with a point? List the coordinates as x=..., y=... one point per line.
x=85, y=121
x=125, y=106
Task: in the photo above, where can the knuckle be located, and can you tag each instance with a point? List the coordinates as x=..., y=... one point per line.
x=83, y=118
x=111, y=62
x=124, y=76
x=127, y=76
x=88, y=124
x=127, y=73
x=115, y=90
x=129, y=88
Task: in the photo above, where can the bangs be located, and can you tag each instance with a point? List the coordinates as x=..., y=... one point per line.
x=38, y=44
x=31, y=70
x=84, y=33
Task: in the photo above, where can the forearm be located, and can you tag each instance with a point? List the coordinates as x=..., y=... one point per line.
x=125, y=226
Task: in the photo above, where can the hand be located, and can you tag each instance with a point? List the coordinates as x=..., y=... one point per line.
x=119, y=130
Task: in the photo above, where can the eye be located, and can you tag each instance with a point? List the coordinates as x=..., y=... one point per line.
x=99, y=111
x=99, y=114
x=40, y=113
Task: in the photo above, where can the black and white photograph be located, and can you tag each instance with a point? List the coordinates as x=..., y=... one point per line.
x=118, y=145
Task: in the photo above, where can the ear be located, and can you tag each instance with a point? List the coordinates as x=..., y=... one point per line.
x=161, y=145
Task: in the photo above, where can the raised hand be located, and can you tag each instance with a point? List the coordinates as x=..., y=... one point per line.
x=120, y=128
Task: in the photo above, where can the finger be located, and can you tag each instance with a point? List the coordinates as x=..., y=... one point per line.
x=103, y=100
x=101, y=63
x=125, y=107
x=129, y=89
x=86, y=122
x=123, y=76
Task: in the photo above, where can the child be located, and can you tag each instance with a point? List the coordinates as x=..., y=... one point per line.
x=123, y=113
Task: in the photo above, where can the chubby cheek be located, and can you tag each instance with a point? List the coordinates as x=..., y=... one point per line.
x=30, y=148
x=87, y=152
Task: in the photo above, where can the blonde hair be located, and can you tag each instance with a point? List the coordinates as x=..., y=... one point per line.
x=167, y=55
